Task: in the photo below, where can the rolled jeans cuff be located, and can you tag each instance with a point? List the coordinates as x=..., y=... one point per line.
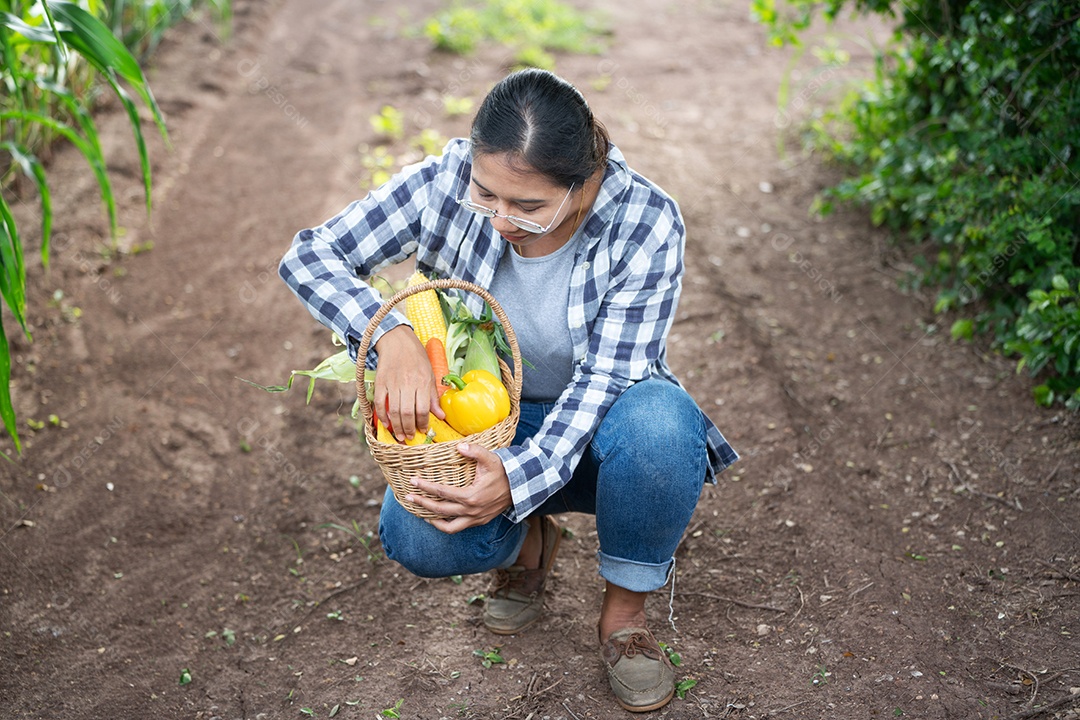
x=634, y=576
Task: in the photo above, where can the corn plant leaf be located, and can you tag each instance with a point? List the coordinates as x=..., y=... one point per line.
x=34, y=170
x=68, y=99
x=12, y=267
x=268, y=388
x=7, y=410
x=89, y=150
x=34, y=33
x=13, y=290
x=11, y=62
x=55, y=29
x=140, y=142
x=92, y=39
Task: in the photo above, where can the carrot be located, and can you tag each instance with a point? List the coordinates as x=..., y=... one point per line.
x=436, y=353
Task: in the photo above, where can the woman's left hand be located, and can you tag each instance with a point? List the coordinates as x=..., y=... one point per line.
x=476, y=504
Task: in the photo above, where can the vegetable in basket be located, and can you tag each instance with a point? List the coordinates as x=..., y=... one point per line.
x=436, y=352
x=477, y=401
x=438, y=431
x=424, y=312
x=474, y=343
x=457, y=344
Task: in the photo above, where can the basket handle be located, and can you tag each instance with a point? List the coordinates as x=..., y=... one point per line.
x=445, y=283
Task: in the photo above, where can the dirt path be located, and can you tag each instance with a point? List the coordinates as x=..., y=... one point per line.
x=902, y=536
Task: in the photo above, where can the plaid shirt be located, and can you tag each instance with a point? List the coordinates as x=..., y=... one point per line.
x=624, y=290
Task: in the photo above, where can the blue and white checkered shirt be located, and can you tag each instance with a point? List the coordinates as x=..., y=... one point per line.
x=624, y=289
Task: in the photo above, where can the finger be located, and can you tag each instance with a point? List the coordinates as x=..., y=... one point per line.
x=452, y=525
x=393, y=416
x=483, y=457
x=423, y=407
x=408, y=414
x=379, y=405
x=439, y=507
x=435, y=408
x=446, y=494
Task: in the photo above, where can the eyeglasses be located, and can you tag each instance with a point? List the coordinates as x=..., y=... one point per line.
x=522, y=223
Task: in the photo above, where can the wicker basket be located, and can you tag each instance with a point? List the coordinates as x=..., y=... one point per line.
x=437, y=462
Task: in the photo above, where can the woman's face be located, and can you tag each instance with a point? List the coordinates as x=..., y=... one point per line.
x=508, y=189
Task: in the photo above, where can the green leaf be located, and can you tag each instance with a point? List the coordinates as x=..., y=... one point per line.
x=89, y=150
x=7, y=411
x=33, y=33
x=12, y=267
x=92, y=142
x=13, y=291
x=136, y=129
x=185, y=677
x=684, y=686
x=55, y=30
x=963, y=329
x=673, y=657
x=1043, y=395
x=92, y=39
x=1060, y=283
x=34, y=170
x=96, y=43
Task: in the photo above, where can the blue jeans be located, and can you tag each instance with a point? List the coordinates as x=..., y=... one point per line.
x=641, y=476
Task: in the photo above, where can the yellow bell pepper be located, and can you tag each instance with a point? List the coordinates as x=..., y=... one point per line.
x=478, y=400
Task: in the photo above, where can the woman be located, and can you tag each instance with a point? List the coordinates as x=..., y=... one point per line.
x=585, y=257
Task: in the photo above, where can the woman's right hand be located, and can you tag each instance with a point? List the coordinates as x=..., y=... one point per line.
x=405, y=390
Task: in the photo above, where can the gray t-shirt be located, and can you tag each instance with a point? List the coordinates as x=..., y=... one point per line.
x=534, y=293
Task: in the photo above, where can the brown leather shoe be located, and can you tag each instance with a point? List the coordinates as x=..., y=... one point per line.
x=516, y=598
x=638, y=669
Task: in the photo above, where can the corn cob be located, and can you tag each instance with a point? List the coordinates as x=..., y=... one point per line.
x=424, y=312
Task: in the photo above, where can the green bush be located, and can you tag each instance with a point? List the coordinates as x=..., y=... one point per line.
x=965, y=142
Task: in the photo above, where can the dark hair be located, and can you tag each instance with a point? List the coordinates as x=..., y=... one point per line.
x=544, y=123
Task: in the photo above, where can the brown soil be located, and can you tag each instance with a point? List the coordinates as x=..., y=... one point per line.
x=902, y=536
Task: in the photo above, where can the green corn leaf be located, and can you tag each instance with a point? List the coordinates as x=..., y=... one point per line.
x=89, y=131
x=7, y=411
x=268, y=388
x=11, y=62
x=13, y=290
x=140, y=143
x=89, y=150
x=92, y=39
x=55, y=30
x=12, y=267
x=339, y=367
x=34, y=170
x=33, y=33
